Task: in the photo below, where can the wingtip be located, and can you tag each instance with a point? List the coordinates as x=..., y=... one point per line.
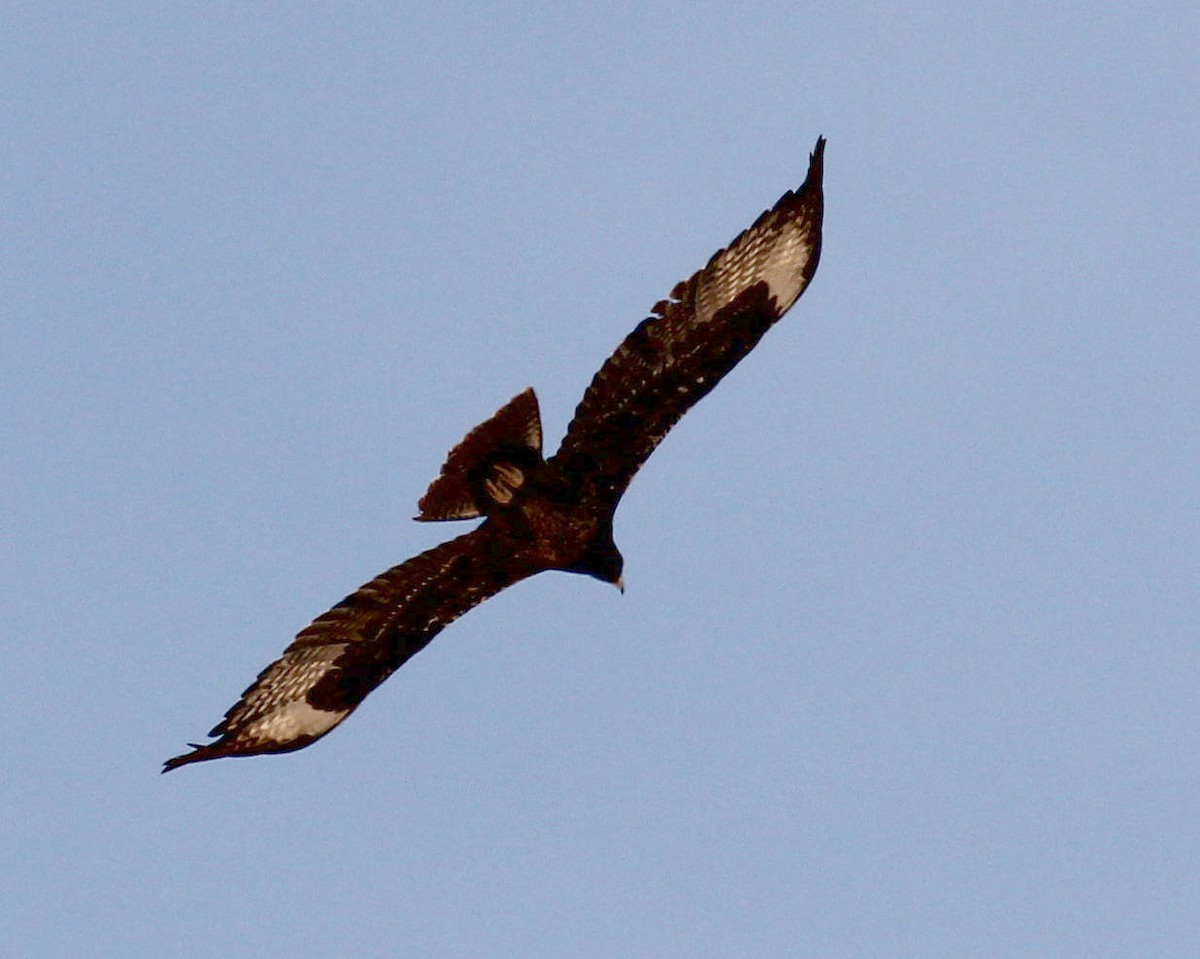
x=816, y=161
x=199, y=753
x=175, y=762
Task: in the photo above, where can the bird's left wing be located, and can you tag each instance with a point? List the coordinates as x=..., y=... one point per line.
x=345, y=653
x=677, y=355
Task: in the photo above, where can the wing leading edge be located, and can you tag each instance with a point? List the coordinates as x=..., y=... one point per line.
x=345, y=653
x=690, y=341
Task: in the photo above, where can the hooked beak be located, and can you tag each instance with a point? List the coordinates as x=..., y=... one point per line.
x=620, y=584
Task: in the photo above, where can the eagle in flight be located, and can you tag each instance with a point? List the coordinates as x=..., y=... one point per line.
x=538, y=514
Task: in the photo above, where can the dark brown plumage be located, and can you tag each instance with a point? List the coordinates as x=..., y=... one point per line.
x=539, y=514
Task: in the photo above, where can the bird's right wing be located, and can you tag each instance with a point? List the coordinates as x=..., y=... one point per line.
x=677, y=355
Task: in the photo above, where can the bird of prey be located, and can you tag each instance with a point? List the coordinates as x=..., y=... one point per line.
x=538, y=514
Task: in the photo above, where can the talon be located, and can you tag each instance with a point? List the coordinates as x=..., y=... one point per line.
x=511, y=475
x=498, y=491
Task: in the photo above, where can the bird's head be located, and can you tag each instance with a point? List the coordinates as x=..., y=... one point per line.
x=603, y=561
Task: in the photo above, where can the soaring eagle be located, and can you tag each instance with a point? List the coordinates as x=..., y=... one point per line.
x=538, y=513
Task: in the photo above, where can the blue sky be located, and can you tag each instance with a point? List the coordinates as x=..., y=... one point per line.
x=907, y=663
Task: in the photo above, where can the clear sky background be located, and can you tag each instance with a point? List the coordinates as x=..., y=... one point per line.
x=908, y=664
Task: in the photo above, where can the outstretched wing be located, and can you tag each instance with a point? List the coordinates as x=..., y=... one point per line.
x=345, y=653
x=677, y=355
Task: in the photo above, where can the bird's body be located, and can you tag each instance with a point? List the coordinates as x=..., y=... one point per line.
x=538, y=514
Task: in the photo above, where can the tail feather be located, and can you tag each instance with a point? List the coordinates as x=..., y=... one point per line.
x=483, y=472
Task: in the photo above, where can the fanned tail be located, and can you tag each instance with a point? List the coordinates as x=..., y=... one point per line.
x=494, y=460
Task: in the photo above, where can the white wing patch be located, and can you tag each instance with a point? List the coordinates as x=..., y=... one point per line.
x=277, y=701
x=784, y=269
x=292, y=721
x=775, y=250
